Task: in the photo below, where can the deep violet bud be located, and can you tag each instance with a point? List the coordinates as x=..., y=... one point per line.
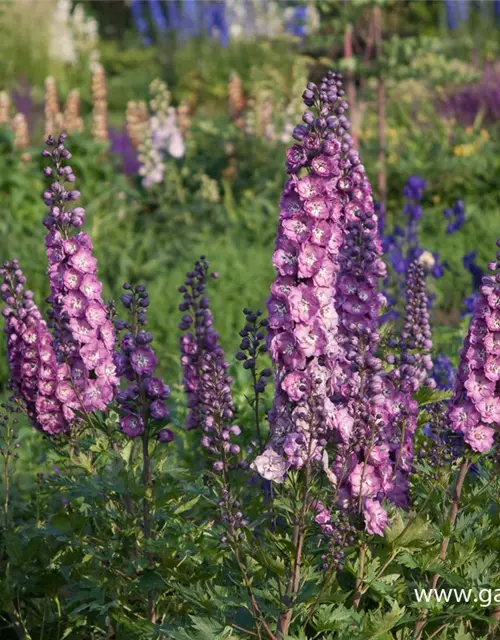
x=165, y=436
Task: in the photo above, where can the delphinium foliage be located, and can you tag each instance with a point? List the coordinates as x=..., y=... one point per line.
x=312, y=510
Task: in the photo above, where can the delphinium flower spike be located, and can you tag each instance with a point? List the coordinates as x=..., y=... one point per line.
x=415, y=342
x=143, y=401
x=83, y=335
x=302, y=315
x=33, y=367
x=199, y=338
x=475, y=407
x=208, y=387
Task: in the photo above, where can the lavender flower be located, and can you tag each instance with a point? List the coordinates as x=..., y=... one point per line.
x=143, y=400
x=475, y=407
x=456, y=217
x=34, y=372
x=83, y=335
x=443, y=372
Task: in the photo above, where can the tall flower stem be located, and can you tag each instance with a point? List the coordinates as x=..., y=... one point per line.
x=146, y=479
x=298, y=541
x=359, y=580
x=382, y=178
x=452, y=517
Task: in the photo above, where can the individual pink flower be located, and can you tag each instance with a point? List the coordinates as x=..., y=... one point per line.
x=84, y=261
x=364, y=480
x=489, y=409
x=279, y=313
x=310, y=259
x=270, y=465
x=72, y=278
x=479, y=438
x=91, y=287
x=95, y=314
x=296, y=229
x=286, y=257
x=310, y=338
x=316, y=208
x=285, y=348
x=296, y=385
x=375, y=516
x=74, y=304
x=303, y=303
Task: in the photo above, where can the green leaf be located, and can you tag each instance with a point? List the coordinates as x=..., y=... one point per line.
x=187, y=505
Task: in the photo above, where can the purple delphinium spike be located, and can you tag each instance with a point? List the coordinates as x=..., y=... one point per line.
x=412, y=365
x=415, y=342
x=206, y=380
x=474, y=410
x=84, y=337
x=302, y=316
x=360, y=412
x=31, y=358
x=199, y=338
x=143, y=400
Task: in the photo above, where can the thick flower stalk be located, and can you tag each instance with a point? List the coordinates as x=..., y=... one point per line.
x=236, y=99
x=199, y=339
x=474, y=410
x=33, y=367
x=21, y=134
x=72, y=120
x=183, y=118
x=84, y=337
x=143, y=401
x=52, y=111
x=136, y=117
x=4, y=107
x=99, y=104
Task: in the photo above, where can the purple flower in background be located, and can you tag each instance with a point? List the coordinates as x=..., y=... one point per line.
x=443, y=372
x=456, y=217
x=140, y=21
x=467, y=102
x=469, y=262
x=83, y=336
x=143, y=399
x=402, y=247
x=215, y=21
x=34, y=370
x=451, y=15
x=122, y=145
x=157, y=14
